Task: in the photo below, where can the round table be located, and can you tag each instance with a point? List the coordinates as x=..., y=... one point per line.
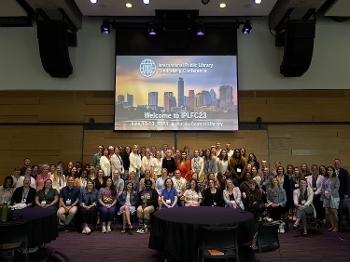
x=177, y=231
x=41, y=224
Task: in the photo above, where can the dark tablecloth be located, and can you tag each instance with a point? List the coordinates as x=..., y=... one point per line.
x=178, y=232
x=42, y=224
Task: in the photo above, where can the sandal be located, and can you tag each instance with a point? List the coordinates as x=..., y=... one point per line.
x=295, y=226
x=130, y=226
x=123, y=231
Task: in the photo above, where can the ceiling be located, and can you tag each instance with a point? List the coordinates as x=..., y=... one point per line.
x=10, y=10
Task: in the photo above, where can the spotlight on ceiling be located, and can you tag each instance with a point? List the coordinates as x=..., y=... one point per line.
x=200, y=29
x=152, y=29
x=258, y=1
x=205, y=2
x=247, y=27
x=146, y=2
x=94, y=2
x=105, y=27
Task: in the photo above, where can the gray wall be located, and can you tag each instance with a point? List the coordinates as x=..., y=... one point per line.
x=93, y=60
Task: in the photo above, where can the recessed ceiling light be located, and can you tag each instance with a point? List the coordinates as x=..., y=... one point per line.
x=222, y=5
x=128, y=5
x=258, y=2
x=93, y=2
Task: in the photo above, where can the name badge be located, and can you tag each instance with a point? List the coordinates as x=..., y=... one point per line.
x=168, y=201
x=303, y=202
x=43, y=203
x=239, y=170
x=296, y=185
x=24, y=200
x=68, y=202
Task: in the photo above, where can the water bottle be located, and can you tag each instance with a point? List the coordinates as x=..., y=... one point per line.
x=4, y=211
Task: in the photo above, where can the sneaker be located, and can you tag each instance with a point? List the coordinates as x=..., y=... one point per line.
x=142, y=231
x=84, y=231
x=108, y=229
x=145, y=229
x=269, y=219
x=281, y=228
x=104, y=230
x=139, y=229
x=66, y=228
x=87, y=230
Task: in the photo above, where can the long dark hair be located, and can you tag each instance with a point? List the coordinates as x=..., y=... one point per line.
x=111, y=188
x=196, y=187
x=333, y=175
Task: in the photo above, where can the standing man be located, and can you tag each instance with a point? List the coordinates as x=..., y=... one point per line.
x=97, y=157
x=69, y=199
x=229, y=151
x=135, y=161
x=26, y=162
x=218, y=148
x=117, y=162
x=180, y=186
x=118, y=183
x=343, y=176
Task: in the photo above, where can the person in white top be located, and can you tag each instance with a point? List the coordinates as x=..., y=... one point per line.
x=156, y=166
x=160, y=184
x=218, y=148
x=117, y=162
x=197, y=165
x=146, y=161
x=135, y=161
x=27, y=173
x=165, y=148
x=105, y=163
x=229, y=151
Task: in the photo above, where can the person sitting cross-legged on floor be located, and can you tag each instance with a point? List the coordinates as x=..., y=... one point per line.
x=303, y=197
x=147, y=201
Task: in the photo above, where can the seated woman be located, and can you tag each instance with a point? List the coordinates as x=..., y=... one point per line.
x=302, y=198
x=81, y=180
x=6, y=191
x=193, y=197
x=147, y=201
x=276, y=202
x=107, y=204
x=169, y=194
x=47, y=197
x=87, y=212
x=25, y=194
x=127, y=201
x=255, y=203
x=232, y=195
x=213, y=195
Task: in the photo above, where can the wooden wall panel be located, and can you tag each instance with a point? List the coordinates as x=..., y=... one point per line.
x=42, y=144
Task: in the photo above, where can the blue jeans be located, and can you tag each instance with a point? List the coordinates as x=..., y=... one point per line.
x=107, y=214
x=230, y=205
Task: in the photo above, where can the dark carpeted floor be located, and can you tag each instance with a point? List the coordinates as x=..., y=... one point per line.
x=132, y=246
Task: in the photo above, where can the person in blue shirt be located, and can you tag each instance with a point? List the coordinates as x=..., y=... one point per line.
x=169, y=194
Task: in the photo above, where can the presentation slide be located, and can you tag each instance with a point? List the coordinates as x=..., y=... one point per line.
x=176, y=93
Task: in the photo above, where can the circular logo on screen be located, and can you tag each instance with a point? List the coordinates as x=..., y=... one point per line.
x=148, y=68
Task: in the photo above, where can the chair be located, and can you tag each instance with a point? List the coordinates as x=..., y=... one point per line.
x=222, y=239
x=267, y=240
x=56, y=256
x=344, y=208
x=12, y=235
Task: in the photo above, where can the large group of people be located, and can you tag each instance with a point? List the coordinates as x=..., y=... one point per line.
x=126, y=180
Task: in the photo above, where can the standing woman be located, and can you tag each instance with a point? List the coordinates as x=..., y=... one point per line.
x=68, y=171
x=74, y=172
x=125, y=154
x=127, y=201
x=284, y=182
x=232, y=195
x=16, y=175
x=184, y=166
x=98, y=181
x=169, y=194
x=105, y=163
x=238, y=165
x=253, y=160
x=303, y=197
x=156, y=166
x=58, y=179
x=209, y=163
x=193, y=196
x=330, y=197
x=197, y=165
x=47, y=197
x=107, y=198
x=213, y=195
x=223, y=162
x=304, y=170
x=41, y=178
x=81, y=180
x=315, y=183
x=146, y=162
x=169, y=163
x=87, y=213
x=92, y=172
